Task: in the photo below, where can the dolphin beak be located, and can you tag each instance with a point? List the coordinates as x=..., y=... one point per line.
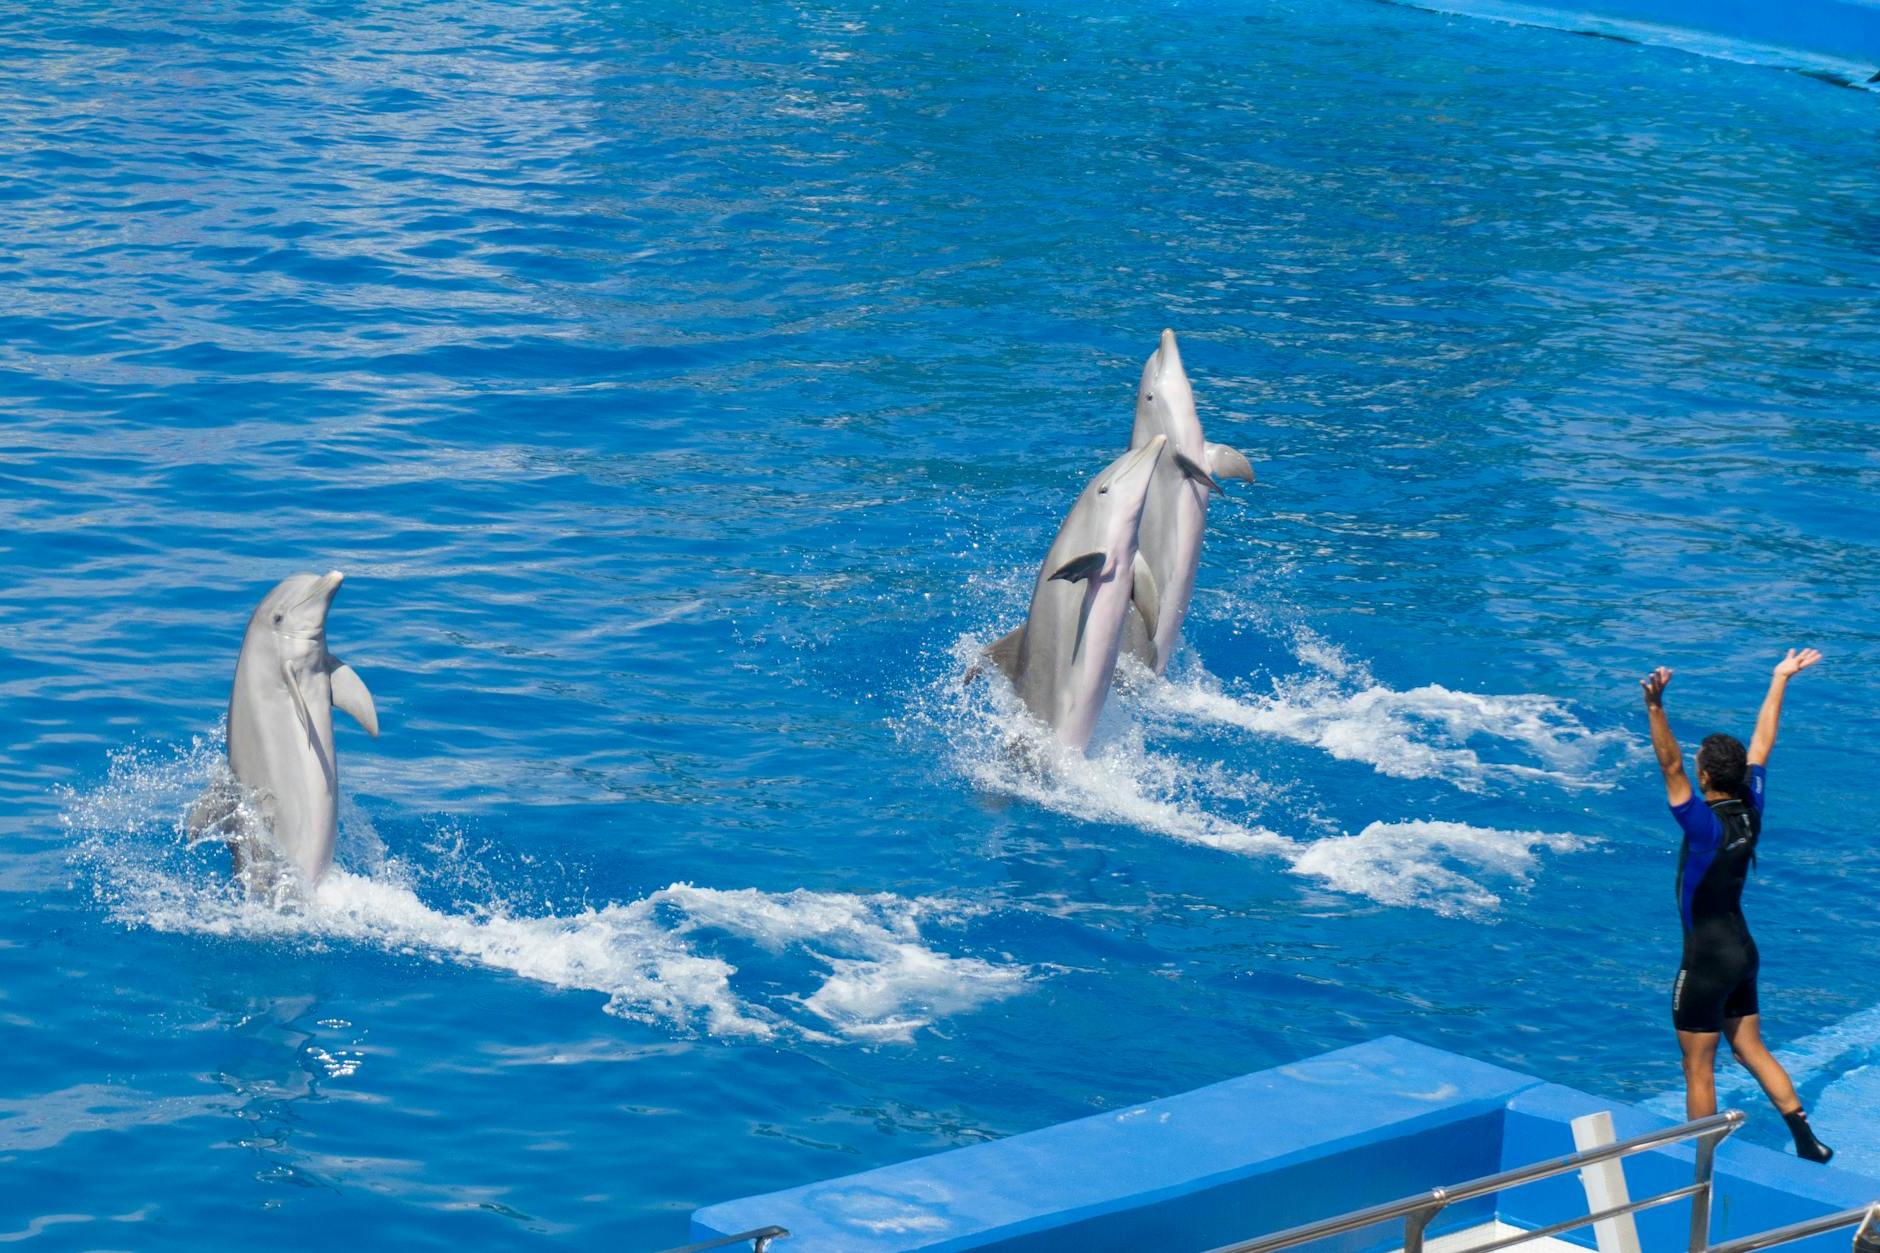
x=1143, y=460
x=324, y=588
x=1168, y=355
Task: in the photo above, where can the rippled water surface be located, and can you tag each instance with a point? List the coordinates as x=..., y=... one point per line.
x=686, y=392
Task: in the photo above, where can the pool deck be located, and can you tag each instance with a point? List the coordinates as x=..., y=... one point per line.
x=1278, y=1148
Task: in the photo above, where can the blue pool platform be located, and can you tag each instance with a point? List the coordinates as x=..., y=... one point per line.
x=1843, y=28
x=1836, y=39
x=1278, y=1148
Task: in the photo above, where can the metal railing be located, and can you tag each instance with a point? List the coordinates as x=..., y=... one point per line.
x=1868, y=1216
x=760, y=1238
x=1418, y=1211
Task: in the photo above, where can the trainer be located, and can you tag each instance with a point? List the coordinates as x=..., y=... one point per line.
x=1716, y=988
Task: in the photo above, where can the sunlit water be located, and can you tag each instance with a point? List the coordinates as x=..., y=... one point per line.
x=688, y=391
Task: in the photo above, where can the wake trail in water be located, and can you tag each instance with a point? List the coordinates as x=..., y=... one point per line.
x=999, y=748
x=835, y=965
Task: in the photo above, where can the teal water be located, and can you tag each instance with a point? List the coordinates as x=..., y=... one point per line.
x=685, y=391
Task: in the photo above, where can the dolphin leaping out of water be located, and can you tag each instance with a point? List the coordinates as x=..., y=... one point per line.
x=280, y=739
x=1063, y=658
x=1176, y=511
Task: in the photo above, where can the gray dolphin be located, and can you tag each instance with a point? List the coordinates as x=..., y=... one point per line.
x=1062, y=659
x=1176, y=512
x=280, y=737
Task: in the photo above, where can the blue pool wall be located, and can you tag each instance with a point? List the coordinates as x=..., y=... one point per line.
x=1837, y=28
x=1757, y=1188
x=1270, y=1150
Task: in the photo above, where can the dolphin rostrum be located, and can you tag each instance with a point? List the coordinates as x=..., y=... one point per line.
x=280, y=738
x=1062, y=659
x=1177, y=509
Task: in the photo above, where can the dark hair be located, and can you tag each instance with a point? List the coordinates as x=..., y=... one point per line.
x=1724, y=759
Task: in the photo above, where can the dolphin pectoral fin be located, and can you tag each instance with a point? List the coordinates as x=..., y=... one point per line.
x=1228, y=463
x=1003, y=652
x=1144, y=595
x=307, y=723
x=1077, y=569
x=1195, y=472
x=300, y=703
x=350, y=694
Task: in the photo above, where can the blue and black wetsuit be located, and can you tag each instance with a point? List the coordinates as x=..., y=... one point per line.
x=1718, y=977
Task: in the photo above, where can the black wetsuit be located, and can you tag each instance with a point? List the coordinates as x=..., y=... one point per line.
x=1718, y=977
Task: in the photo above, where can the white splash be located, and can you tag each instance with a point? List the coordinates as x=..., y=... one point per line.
x=1428, y=732
x=858, y=965
x=1430, y=863
x=1000, y=748
x=996, y=745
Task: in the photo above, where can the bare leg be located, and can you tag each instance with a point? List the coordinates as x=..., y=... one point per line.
x=1700, y=1072
x=1745, y=1035
x=1746, y=1042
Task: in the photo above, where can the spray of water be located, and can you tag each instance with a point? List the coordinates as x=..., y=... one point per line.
x=852, y=966
x=1336, y=706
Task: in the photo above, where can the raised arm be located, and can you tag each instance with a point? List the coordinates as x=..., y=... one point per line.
x=1665, y=744
x=1764, y=740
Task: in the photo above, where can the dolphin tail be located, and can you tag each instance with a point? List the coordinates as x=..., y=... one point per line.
x=1227, y=463
x=213, y=814
x=1003, y=652
x=350, y=694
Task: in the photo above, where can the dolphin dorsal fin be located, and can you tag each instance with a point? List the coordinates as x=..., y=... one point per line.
x=350, y=694
x=1077, y=569
x=1003, y=652
x=1195, y=472
x=1227, y=463
x=1144, y=594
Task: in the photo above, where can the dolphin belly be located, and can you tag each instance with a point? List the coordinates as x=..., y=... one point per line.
x=1065, y=655
x=1173, y=520
x=288, y=772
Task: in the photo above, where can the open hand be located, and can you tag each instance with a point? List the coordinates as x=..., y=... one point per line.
x=1797, y=661
x=1655, y=684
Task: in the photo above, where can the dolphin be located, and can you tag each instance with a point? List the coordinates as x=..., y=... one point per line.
x=1062, y=660
x=280, y=738
x=1177, y=508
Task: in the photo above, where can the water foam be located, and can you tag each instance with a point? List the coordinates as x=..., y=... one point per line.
x=1430, y=863
x=839, y=965
x=1000, y=748
x=1337, y=706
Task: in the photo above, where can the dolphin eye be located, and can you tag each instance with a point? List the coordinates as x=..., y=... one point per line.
x=277, y=619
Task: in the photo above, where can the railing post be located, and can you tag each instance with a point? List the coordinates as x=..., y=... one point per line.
x=1867, y=1237
x=1604, y=1183
x=1700, y=1202
x=1417, y=1220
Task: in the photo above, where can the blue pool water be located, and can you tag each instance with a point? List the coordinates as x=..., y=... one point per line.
x=685, y=390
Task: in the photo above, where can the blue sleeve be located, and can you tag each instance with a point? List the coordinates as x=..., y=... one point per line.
x=1756, y=774
x=1702, y=830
